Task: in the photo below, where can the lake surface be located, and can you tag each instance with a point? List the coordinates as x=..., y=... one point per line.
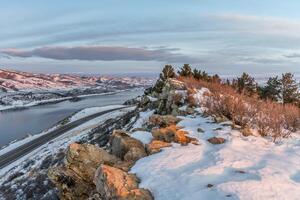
x=15, y=125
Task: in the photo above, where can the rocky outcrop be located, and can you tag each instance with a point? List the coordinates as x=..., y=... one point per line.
x=76, y=179
x=84, y=159
x=125, y=147
x=113, y=183
x=155, y=146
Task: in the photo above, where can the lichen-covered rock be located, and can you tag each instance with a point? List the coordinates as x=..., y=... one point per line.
x=172, y=133
x=125, y=147
x=115, y=184
x=155, y=146
x=70, y=185
x=84, y=159
x=163, y=120
x=216, y=140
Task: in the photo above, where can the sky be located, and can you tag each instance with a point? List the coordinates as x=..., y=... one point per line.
x=229, y=37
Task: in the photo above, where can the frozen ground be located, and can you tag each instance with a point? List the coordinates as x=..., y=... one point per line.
x=241, y=168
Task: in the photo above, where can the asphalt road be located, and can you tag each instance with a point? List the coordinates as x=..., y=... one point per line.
x=24, y=149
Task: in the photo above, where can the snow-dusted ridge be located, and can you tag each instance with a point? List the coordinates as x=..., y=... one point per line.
x=22, y=89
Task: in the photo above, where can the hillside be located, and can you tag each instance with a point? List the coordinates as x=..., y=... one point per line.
x=22, y=89
x=181, y=141
x=15, y=80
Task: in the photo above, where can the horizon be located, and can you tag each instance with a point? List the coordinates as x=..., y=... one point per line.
x=140, y=37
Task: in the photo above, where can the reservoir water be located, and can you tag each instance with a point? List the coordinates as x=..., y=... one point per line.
x=17, y=124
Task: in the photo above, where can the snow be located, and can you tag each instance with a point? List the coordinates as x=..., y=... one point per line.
x=143, y=118
x=199, y=95
x=152, y=99
x=241, y=168
x=61, y=142
x=90, y=111
x=144, y=136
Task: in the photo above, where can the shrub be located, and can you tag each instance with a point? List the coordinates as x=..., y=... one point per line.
x=268, y=117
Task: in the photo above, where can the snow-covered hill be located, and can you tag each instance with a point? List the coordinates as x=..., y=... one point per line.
x=22, y=89
x=15, y=80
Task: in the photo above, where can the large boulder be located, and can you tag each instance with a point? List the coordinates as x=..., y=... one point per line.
x=125, y=147
x=83, y=159
x=75, y=179
x=70, y=185
x=115, y=184
x=163, y=120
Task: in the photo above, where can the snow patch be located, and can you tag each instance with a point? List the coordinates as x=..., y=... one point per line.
x=144, y=136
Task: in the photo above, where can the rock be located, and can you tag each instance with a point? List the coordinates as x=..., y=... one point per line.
x=246, y=132
x=190, y=111
x=115, y=184
x=220, y=119
x=172, y=134
x=155, y=146
x=209, y=185
x=163, y=120
x=200, y=130
x=125, y=147
x=84, y=159
x=69, y=184
x=216, y=140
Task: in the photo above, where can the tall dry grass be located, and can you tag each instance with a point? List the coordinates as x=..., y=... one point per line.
x=269, y=118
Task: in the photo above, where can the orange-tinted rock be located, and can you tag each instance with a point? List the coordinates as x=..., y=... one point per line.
x=156, y=145
x=115, y=184
x=163, y=120
x=172, y=133
x=216, y=140
x=125, y=147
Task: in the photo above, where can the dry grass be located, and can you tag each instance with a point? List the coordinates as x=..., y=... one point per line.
x=269, y=118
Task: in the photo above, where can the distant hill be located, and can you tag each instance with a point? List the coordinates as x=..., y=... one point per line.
x=11, y=80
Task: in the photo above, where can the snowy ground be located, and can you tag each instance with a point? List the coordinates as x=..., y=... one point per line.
x=241, y=168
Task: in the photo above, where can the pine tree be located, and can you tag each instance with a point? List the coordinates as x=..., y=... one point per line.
x=216, y=78
x=290, y=89
x=167, y=72
x=272, y=90
x=197, y=74
x=246, y=84
x=185, y=71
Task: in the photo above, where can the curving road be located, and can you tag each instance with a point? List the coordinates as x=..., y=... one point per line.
x=24, y=149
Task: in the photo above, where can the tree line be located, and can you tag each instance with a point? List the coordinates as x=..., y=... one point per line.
x=284, y=89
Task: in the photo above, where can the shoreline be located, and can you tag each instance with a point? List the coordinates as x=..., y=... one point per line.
x=58, y=100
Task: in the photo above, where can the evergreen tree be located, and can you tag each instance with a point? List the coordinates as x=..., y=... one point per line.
x=216, y=78
x=289, y=89
x=185, y=71
x=167, y=72
x=246, y=84
x=272, y=90
x=197, y=74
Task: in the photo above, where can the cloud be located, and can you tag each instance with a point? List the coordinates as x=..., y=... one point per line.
x=102, y=53
x=293, y=55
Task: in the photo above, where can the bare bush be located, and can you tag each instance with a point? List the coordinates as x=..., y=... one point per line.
x=269, y=118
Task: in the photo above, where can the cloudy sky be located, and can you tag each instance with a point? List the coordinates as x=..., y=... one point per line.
x=140, y=36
